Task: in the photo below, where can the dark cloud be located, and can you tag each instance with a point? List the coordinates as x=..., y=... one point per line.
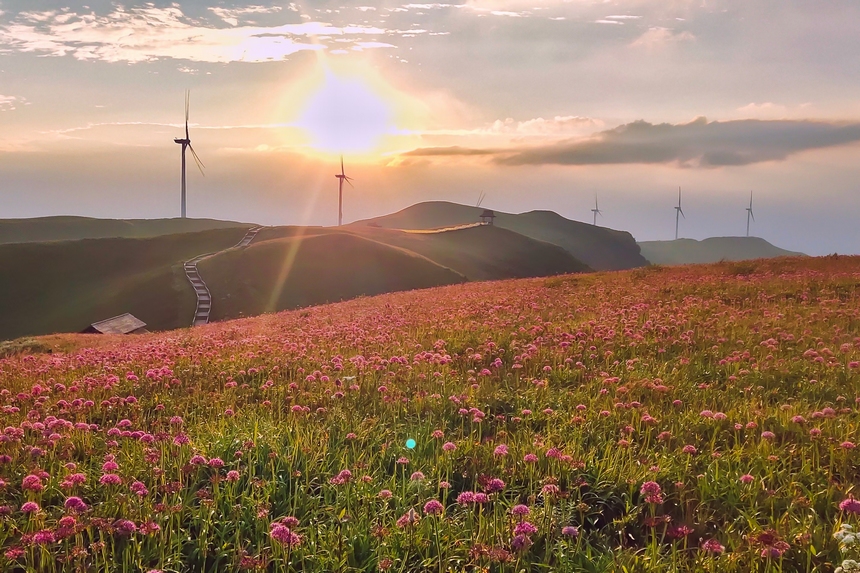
x=699, y=143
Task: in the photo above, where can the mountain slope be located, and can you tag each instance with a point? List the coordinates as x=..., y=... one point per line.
x=63, y=286
x=712, y=250
x=598, y=247
x=70, y=228
x=484, y=252
x=299, y=271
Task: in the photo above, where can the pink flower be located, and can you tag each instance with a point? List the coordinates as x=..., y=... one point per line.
x=570, y=531
x=847, y=445
x=232, y=475
x=74, y=503
x=501, y=450
x=417, y=476
x=466, y=498
x=746, y=478
x=44, y=537
x=520, y=510
x=767, y=435
x=30, y=507
x=433, y=507
x=385, y=494
x=139, y=488
x=32, y=483
x=494, y=485
x=530, y=458
x=689, y=449
x=284, y=535
x=524, y=528
x=449, y=446
x=713, y=546
x=110, y=479
x=409, y=518
x=197, y=460
x=850, y=505
x=216, y=463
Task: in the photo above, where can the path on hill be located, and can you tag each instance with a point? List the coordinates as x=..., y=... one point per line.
x=204, y=297
x=443, y=230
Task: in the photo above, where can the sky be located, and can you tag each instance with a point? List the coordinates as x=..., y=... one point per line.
x=539, y=104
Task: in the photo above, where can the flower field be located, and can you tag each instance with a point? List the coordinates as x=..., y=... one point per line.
x=662, y=419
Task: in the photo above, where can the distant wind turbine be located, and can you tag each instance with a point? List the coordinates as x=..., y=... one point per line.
x=678, y=213
x=596, y=210
x=481, y=198
x=341, y=178
x=187, y=143
x=749, y=215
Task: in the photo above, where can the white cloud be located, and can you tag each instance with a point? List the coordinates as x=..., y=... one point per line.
x=10, y=103
x=658, y=36
x=609, y=22
x=231, y=15
x=150, y=33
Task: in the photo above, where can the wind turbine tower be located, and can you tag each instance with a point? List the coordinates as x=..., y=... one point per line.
x=749, y=215
x=678, y=213
x=186, y=143
x=596, y=211
x=341, y=178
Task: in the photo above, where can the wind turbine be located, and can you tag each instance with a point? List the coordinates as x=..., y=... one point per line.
x=596, y=210
x=481, y=198
x=187, y=143
x=341, y=178
x=678, y=213
x=749, y=215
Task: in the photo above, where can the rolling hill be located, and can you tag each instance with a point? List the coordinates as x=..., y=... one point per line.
x=63, y=286
x=299, y=271
x=329, y=265
x=42, y=229
x=712, y=250
x=598, y=247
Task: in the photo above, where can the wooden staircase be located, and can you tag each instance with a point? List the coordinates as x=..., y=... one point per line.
x=204, y=297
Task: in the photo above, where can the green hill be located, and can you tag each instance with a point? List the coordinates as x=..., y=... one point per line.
x=299, y=271
x=712, y=250
x=69, y=228
x=598, y=247
x=63, y=286
x=484, y=252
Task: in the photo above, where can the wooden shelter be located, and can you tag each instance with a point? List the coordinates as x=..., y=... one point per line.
x=122, y=324
x=487, y=217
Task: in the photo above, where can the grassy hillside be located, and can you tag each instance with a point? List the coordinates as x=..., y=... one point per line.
x=484, y=253
x=293, y=272
x=69, y=228
x=712, y=250
x=598, y=247
x=64, y=286
x=697, y=419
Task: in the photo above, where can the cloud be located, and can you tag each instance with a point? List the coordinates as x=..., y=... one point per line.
x=699, y=143
x=10, y=103
x=658, y=36
x=151, y=33
x=231, y=15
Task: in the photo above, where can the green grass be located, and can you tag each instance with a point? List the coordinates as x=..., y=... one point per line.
x=292, y=272
x=712, y=250
x=66, y=228
x=598, y=247
x=64, y=286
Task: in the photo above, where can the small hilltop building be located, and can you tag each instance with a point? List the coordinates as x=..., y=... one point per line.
x=487, y=217
x=122, y=324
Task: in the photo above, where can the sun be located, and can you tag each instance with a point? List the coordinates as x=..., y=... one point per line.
x=350, y=110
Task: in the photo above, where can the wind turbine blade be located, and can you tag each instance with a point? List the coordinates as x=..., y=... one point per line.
x=349, y=180
x=681, y=212
x=341, y=166
x=751, y=215
x=200, y=165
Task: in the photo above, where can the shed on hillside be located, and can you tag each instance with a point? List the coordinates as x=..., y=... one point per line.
x=487, y=217
x=122, y=324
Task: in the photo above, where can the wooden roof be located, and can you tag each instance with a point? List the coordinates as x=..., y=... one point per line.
x=122, y=324
x=487, y=213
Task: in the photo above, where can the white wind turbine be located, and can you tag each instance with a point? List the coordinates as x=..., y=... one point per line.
x=596, y=211
x=749, y=215
x=678, y=213
x=186, y=143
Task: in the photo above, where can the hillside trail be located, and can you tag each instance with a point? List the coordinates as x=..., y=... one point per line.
x=442, y=230
x=204, y=297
